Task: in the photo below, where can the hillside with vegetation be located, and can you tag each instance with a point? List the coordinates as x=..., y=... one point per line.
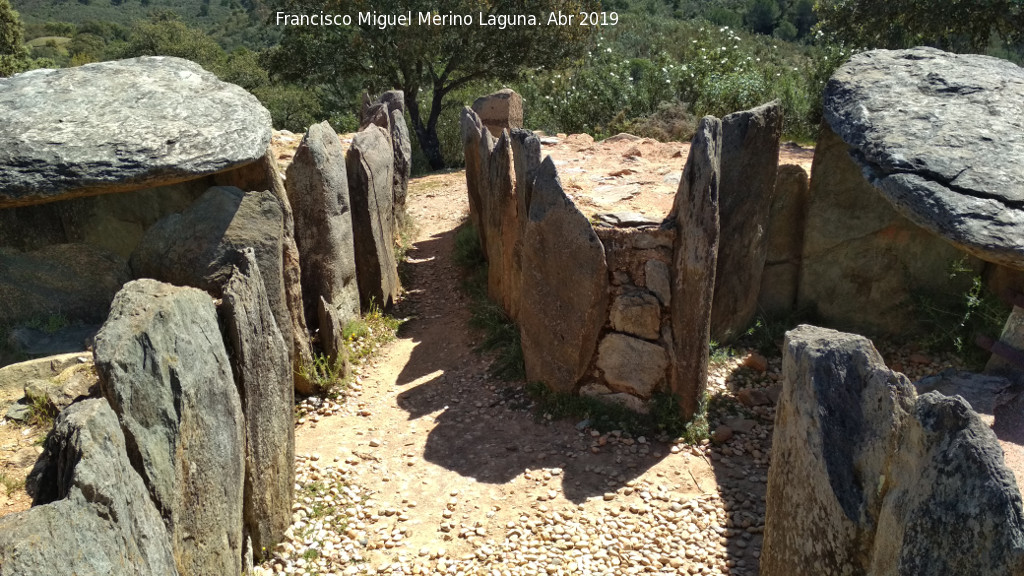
x=663, y=65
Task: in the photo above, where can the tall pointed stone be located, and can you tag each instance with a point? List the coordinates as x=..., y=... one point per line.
x=263, y=376
x=370, y=163
x=749, y=164
x=318, y=189
x=565, y=286
x=695, y=218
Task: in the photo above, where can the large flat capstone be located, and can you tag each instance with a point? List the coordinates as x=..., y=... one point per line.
x=941, y=136
x=121, y=126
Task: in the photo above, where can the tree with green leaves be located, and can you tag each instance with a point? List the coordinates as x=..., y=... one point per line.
x=427, y=62
x=13, y=54
x=954, y=25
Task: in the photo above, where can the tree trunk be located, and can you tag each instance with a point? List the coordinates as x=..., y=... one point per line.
x=426, y=134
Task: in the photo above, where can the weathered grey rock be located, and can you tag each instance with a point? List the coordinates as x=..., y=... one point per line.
x=749, y=164
x=659, y=280
x=394, y=100
x=472, y=133
x=565, y=286
x=863, y=262
x=868, y=478
x=121, y=126
x=627, y=220
x=637, y=313
x=266, y=175
x=951, y=506
x=370, y=164
x=19, y=412
x=837, y=423
x=166, y=373
x=632, y=365
x=45, y=341
x=936, y=133
x=502, y=110
x=785, y=237
x=103, y=523
x=695, y=218
x=197, y=247
x=332, y=335
x=263, y=376
x=376, y=114
x=71, y=281
x=525, y=163
x=318, y=188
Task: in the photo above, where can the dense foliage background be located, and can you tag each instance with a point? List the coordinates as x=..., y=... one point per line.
x=665, y=64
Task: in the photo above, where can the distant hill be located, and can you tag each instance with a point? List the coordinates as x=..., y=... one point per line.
x=231, y=22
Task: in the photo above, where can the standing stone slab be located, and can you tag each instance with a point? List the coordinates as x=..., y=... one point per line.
x=500, y=221
x=695, y=218
x=103, y=522
x=370, y=165
x=839, y=418
x=263, y=377
x=197, y=247
x=318, y=187
x=502, y=110
x=940, y=135
x=750, y=160
x=121, y=126
x=863, y=262
x=266, y=175
x=786, y=220
x=565, y=286
x=473, y=134
x=164, y=369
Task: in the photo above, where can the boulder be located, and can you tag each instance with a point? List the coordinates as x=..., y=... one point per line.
x=631, y=365
x=637, y=313
x=197, y=247
x=65, y=281
x=983, y=392
x=785, y=237
x=44, y=337
x=868, y=478
x=837, y=423
x=164, y=369
x=370, y=165
x=77, y=382
x=318, y=188
x=121, y=126
x=565, y=286
x=102, y=522
x=694, y=216
x=502, y=110
x=749, y=164
x=263, y=377
x=930, y=130
x=863, y=263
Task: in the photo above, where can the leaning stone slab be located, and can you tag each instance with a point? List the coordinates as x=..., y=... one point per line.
x=370, y=164
x=939, y=135
x=749, y=164
x=166, y=373
x=565, y=286
x=318, y=188
x=121, y=126
x=785, y=237
x=695, y=217
x=263, y=376
x=473, y=135
x=102, y=522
